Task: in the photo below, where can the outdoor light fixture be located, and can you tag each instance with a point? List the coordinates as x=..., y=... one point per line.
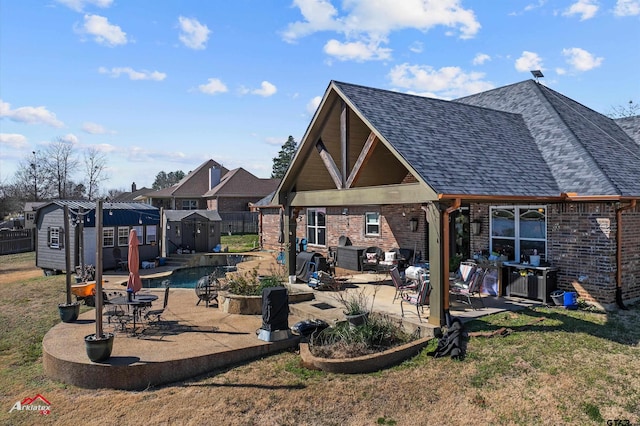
x=413, y=224
x=476, y=226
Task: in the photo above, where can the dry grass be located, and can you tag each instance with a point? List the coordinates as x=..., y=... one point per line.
x=573, y=367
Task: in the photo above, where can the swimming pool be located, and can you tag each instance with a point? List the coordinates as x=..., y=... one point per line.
x=184, y=277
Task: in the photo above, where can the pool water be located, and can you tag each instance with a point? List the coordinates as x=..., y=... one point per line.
x=185, y=277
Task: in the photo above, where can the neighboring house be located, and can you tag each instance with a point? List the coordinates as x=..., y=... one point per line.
x=212, y=187
x=118, y=219
x=128, y=197
x=524, y=166
x=30, y=214
x=189, y=230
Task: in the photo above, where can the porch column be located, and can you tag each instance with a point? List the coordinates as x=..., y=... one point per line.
x=437, y=271
x=289, y=239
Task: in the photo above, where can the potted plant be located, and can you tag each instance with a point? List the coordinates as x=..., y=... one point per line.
x=355, y=307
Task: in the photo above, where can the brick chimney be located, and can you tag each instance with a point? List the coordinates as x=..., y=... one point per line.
x=133, y=187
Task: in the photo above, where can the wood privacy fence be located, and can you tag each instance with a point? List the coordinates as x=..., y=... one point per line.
x=18, y=241
x=239, y=222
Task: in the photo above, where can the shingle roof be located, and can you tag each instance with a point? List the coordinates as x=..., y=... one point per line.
x=519, y=140
x=631, y=125
x=193, y=184
x=586, y=152
x=178, y=215
x=456, y=148
x=241, y=183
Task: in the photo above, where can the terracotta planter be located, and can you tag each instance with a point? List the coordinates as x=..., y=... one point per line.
x=69, y=312
x=99, y=350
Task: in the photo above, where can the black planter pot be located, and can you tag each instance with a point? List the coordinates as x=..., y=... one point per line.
x=69, y=312
x=99, y=349
x=358, y=319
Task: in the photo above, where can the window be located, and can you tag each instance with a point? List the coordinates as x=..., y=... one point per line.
x=517, y=232
x=189, y=204
x=372, y=223
x=316, y=227
x=140, y=233
x=30, y=216
x=108, y=237
x=54, y=237
x=151, y=234
x=123, y=236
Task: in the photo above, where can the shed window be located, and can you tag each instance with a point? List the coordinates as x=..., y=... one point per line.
x=372, y=223
x=519, y=231
x=108, y=237
x=316, y=227
x=139, y=233
x=123, y=236
x=54, y=237
x=151, y=234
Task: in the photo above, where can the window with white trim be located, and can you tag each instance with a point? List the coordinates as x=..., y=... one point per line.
x=317, y=227
x=372, y=223
x=189, y=204
x=123, y=236
x=54, y=237
x=139, y=233
x=151, y=234
x=108, y=237
x=519, y=231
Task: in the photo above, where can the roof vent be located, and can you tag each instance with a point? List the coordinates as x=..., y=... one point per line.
x=537, y=74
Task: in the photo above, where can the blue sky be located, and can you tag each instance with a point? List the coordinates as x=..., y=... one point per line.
x=165, y=85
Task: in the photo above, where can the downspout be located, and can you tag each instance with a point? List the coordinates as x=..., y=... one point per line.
x=446, y=243
x=619, y=211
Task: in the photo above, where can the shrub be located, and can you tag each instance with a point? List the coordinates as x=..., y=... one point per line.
x=250, y=284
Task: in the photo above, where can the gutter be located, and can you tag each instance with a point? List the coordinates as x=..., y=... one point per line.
x=619, y=211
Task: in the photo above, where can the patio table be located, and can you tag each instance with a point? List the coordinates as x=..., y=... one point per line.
x=138, y=303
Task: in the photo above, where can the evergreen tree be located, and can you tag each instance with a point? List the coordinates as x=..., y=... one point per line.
x=165, y=180
x=282, y=161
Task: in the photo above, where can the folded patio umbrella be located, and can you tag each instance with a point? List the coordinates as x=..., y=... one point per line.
x=134, y=263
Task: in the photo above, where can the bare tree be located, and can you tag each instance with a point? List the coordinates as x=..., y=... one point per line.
x=61, y=164
x=622, y=111
x=31, y=180
x=95, y=163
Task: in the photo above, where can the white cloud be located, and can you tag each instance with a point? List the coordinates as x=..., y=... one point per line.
x=266, y=89
x=193, y=34
x=561, y=71
x=313, y=105
x=133, y=74
x=446, y=82
x=13, y=140
x=356, y=51
x=528, y=61
x=481, y=58
x=30, y=115
x=366, y=24
x=102, y=31
x=79, y=5
x=104, y=147
x=586, y=9
x=581, y=60
x=95, y=129
x=627, y=8
x=213, y=86
x=69, y=138
x=416, y=47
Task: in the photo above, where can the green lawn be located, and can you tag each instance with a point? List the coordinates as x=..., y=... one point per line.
x=240, y=243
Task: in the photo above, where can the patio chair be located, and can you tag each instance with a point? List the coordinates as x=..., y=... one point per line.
x=419, y=299
x=464, y=275
x=121, y=265
x=153, y=315
x=401, y=286
x=463, y=292
x=371, y=258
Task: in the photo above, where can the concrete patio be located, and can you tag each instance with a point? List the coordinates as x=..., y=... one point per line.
x=197, y=340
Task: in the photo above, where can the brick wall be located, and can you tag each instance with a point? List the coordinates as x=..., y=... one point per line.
x=631, y=254
x=394, y=228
